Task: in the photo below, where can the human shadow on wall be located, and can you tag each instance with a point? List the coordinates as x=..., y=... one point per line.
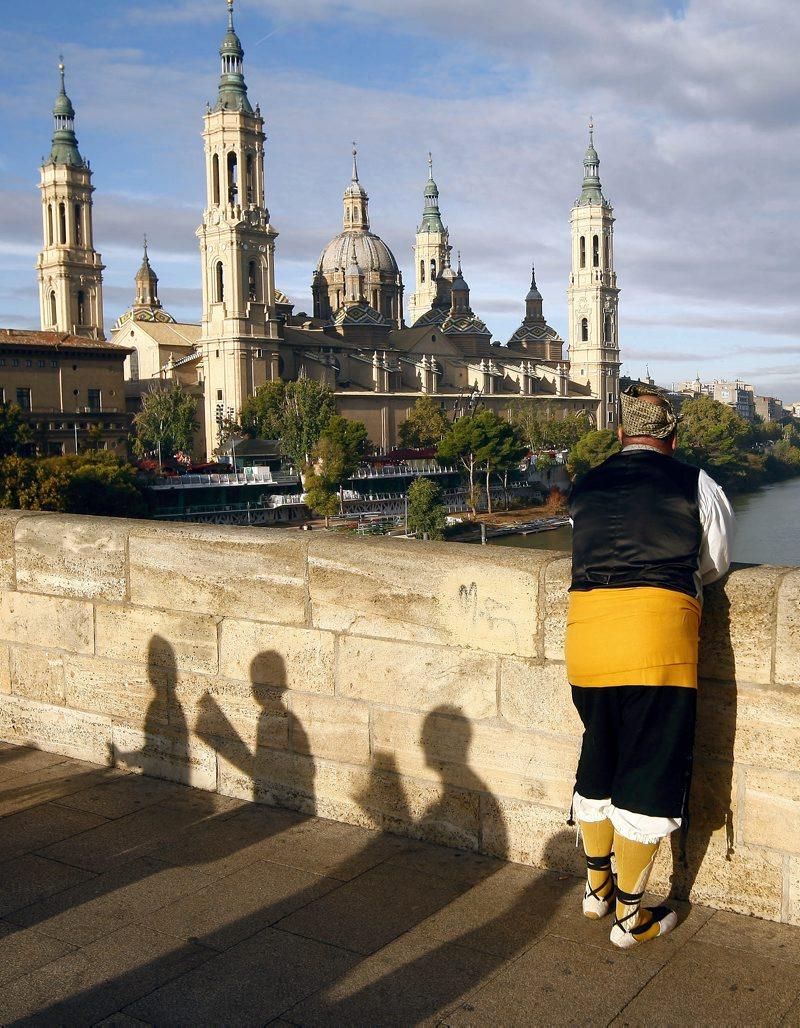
x=165, y=747
x=279, y=768
x=711, y=795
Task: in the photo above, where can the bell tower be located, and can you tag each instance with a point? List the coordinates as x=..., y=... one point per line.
x=239, y=336
x=431, y=251
x=593, y=297
x=70, y=270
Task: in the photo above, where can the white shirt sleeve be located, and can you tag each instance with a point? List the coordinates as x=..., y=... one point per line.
x=719, y=527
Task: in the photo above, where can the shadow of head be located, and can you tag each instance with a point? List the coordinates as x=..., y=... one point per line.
x=267, y=675
x=162, y=667
x=446, y=736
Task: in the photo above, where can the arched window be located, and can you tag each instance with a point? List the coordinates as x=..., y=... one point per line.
x=375, y=299
x=53, y=308
x=233, y=177
x=252, y=281
x=81, y=307
x=249, y=179
x=219, y=280
x=49, y=224
x=422, y=271
x=606, y=252
x=78, y=225
x=347, y=215
x=584, y=330
x=433, y=269
x=595, y=251
x=62, y=223
x=608, y=328
x=583, y=251
x=215, y=178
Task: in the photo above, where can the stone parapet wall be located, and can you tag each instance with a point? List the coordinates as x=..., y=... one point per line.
x=416, y=688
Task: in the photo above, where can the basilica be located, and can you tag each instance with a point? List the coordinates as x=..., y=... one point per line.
x=376, y=354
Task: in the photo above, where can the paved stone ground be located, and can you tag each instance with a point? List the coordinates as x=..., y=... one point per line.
x=129, y=901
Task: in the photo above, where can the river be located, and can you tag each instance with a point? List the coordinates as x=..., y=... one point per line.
x=767, y=528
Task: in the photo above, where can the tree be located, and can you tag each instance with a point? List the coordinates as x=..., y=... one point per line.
x=321, y=497
x=167, y=418
x=15, y=433
x=591, y=450
x=88, y=483
x=501, y=447
x=461, y=444
x=338, y=451
x=261, y=416
x=713, y=436
x=541, y=431
x=426, y=424
x=426, y=512
x=307, y=408
x=482, y=442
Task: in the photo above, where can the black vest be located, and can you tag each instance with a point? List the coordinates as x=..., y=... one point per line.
x=636, y=521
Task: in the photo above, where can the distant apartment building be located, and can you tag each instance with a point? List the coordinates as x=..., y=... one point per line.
x=70, y=389
x=770, y=408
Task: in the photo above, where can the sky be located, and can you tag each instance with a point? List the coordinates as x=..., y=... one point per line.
x=696, y=105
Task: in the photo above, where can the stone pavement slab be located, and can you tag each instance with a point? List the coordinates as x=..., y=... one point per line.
x=126, y=901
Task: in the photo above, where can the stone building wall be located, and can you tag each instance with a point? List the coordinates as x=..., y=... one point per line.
x=416, y=688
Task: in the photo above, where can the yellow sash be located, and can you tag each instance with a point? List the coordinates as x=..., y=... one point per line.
x=633, y=636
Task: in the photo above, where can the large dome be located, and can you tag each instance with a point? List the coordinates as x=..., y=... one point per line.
x=372, y=254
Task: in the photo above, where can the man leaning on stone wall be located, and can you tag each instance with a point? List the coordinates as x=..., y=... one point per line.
x=648, y=533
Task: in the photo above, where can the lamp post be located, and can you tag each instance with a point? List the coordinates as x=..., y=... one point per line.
x=160, y=433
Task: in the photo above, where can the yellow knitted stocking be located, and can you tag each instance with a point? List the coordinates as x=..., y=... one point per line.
x=598, y=840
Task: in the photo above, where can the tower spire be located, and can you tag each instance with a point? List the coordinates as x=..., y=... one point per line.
x=356, y=201
x=65, y=146
x=355, y=164
x=232, y=87
x=592, y=191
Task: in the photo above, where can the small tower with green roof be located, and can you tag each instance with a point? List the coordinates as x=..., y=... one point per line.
x=593, y=296
x=239, y=338
x=69, y=268
x=431, y=251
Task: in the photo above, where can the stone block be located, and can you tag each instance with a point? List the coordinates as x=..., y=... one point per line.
x=220, y=571
x=445, y=593
x=538, y=696
x=5, y=668
x=264, y=775
x=72, y=556
x=751, y=724
x=335, y=729
x=787, y=646
x=419, y=677
x=166, y=753
x=530, y=834
x=276, y=656
x=226, y=709
x=772, y=809
x=794, y=891
x=72, y=733
x=480, y=757
x=160, y=638
x=737, y=632
x=63, y=624
x=557, y=579
x=9, y=519
x=38, y=674
x=129, y=692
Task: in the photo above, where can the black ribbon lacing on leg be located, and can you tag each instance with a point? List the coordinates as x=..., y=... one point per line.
x=599, y=864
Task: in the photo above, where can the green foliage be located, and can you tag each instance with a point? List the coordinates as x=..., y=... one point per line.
x=542, y=432
x=426, y=424
x=591, y=450
x=321, y=497
x=713, y=436
x=294, y=412
x=482, y=442
x=426, y=512
x=14, y=431
x=87, y=483
x=261, y=416
x=342, y=444
x=167, y=416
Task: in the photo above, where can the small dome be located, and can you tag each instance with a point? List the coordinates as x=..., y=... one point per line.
x=431, y=189
x=372, y=254
x=63, y=108
x=459, y=285
x=231, y=44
